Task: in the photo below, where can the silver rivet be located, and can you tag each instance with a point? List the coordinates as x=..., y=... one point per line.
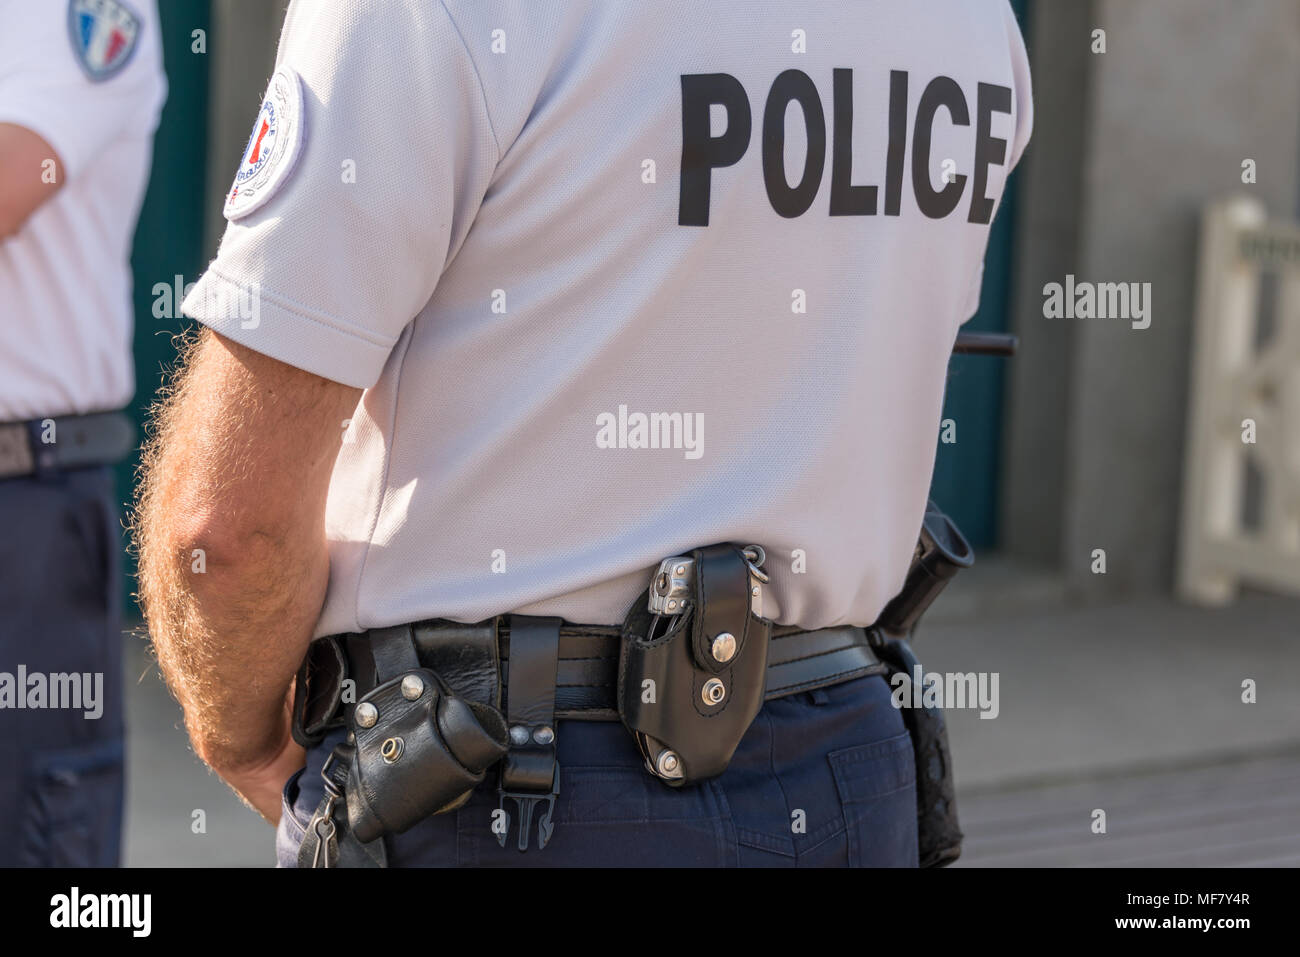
x=519, y=735
x=679, y=571
x=724, y=647
x=367, y=714
x=412, y=687
x=544, y=735
x=392, y=749
x=713, y=692
x=672, y=603
x=754, y=591
x=669, y=765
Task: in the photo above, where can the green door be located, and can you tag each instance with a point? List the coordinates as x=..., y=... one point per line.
x=169, y=238
x=966, y=471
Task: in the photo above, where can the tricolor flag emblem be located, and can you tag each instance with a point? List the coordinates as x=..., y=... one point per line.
x=104, y=35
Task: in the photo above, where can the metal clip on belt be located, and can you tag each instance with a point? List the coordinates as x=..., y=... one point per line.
x=530, y=773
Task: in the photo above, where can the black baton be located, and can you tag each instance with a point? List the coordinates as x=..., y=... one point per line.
x=985, y=344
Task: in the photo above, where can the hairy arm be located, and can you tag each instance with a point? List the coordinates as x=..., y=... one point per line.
x=230, y=526
x=26, y=181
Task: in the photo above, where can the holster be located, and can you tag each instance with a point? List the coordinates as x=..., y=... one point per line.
x=938, y=834
x=687, y=708
x=941, y=552
x=420, y=749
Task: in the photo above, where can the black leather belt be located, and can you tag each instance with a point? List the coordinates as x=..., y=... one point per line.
x=475, y=659
x=797, y=661
x=64, y=442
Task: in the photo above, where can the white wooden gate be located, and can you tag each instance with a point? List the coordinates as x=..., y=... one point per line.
x=1234, y=384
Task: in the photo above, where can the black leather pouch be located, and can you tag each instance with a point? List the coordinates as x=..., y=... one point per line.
x=689, y=695
x=424, y=750
x=318, y=691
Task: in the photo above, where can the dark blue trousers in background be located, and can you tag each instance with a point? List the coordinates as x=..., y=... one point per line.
x=822, y=779
x=61, y=782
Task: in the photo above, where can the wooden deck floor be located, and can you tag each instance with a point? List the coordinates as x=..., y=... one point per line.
x=1238, y=813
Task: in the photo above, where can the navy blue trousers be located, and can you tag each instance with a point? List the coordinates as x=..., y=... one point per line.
x=822, y=779
x=60, y=614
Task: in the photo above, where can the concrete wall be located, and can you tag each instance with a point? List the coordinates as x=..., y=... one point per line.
x=1037, y=405
x=1161, y=122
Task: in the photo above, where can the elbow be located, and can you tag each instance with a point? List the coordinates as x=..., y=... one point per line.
x=189, y=527
x=223, y=564
x=206, y=550
x=188, y=553
x=173, y=546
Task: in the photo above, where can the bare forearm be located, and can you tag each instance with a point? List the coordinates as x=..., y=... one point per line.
x=30, y=174
x=231, y=531
x=230, y=631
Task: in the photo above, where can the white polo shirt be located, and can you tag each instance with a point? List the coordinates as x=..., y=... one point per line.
x=622, y=279
x=87, y=76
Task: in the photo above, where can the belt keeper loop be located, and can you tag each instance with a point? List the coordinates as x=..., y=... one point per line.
x=530, y=773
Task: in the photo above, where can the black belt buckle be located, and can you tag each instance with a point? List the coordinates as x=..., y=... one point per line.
x=526, y=802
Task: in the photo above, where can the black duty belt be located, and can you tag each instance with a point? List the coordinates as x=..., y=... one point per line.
x=797, y=661
x=55, y=443
x=434, y=706
x=475, y=660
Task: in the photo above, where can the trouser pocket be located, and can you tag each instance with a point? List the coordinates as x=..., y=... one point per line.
x=72, y=810
x=877, y=788
x=290, y=831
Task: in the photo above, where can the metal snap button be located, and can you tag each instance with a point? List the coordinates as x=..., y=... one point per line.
x=713, y=692
x=412, y=687
x=669, y=765
x=724, y=647
x=366, y=714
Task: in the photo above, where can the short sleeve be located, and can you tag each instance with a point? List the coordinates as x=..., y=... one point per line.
x=348, y=239
x=79, y=75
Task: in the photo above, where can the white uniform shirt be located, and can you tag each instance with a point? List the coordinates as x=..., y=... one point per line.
x=478, y=212
x=87, y=76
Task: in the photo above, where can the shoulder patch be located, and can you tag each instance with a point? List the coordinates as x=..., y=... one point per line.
x=104, y=34
x=273, y=148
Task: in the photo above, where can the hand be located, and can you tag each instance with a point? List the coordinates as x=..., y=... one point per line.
x=262, y=785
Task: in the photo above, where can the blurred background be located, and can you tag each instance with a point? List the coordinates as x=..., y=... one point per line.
x=1160, y=684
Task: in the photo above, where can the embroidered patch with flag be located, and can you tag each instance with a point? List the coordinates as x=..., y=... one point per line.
x=272, y=149
x=104, y=34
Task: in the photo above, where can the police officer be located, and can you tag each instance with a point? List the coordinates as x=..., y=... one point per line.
x=517, y=302
x=81, y=90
